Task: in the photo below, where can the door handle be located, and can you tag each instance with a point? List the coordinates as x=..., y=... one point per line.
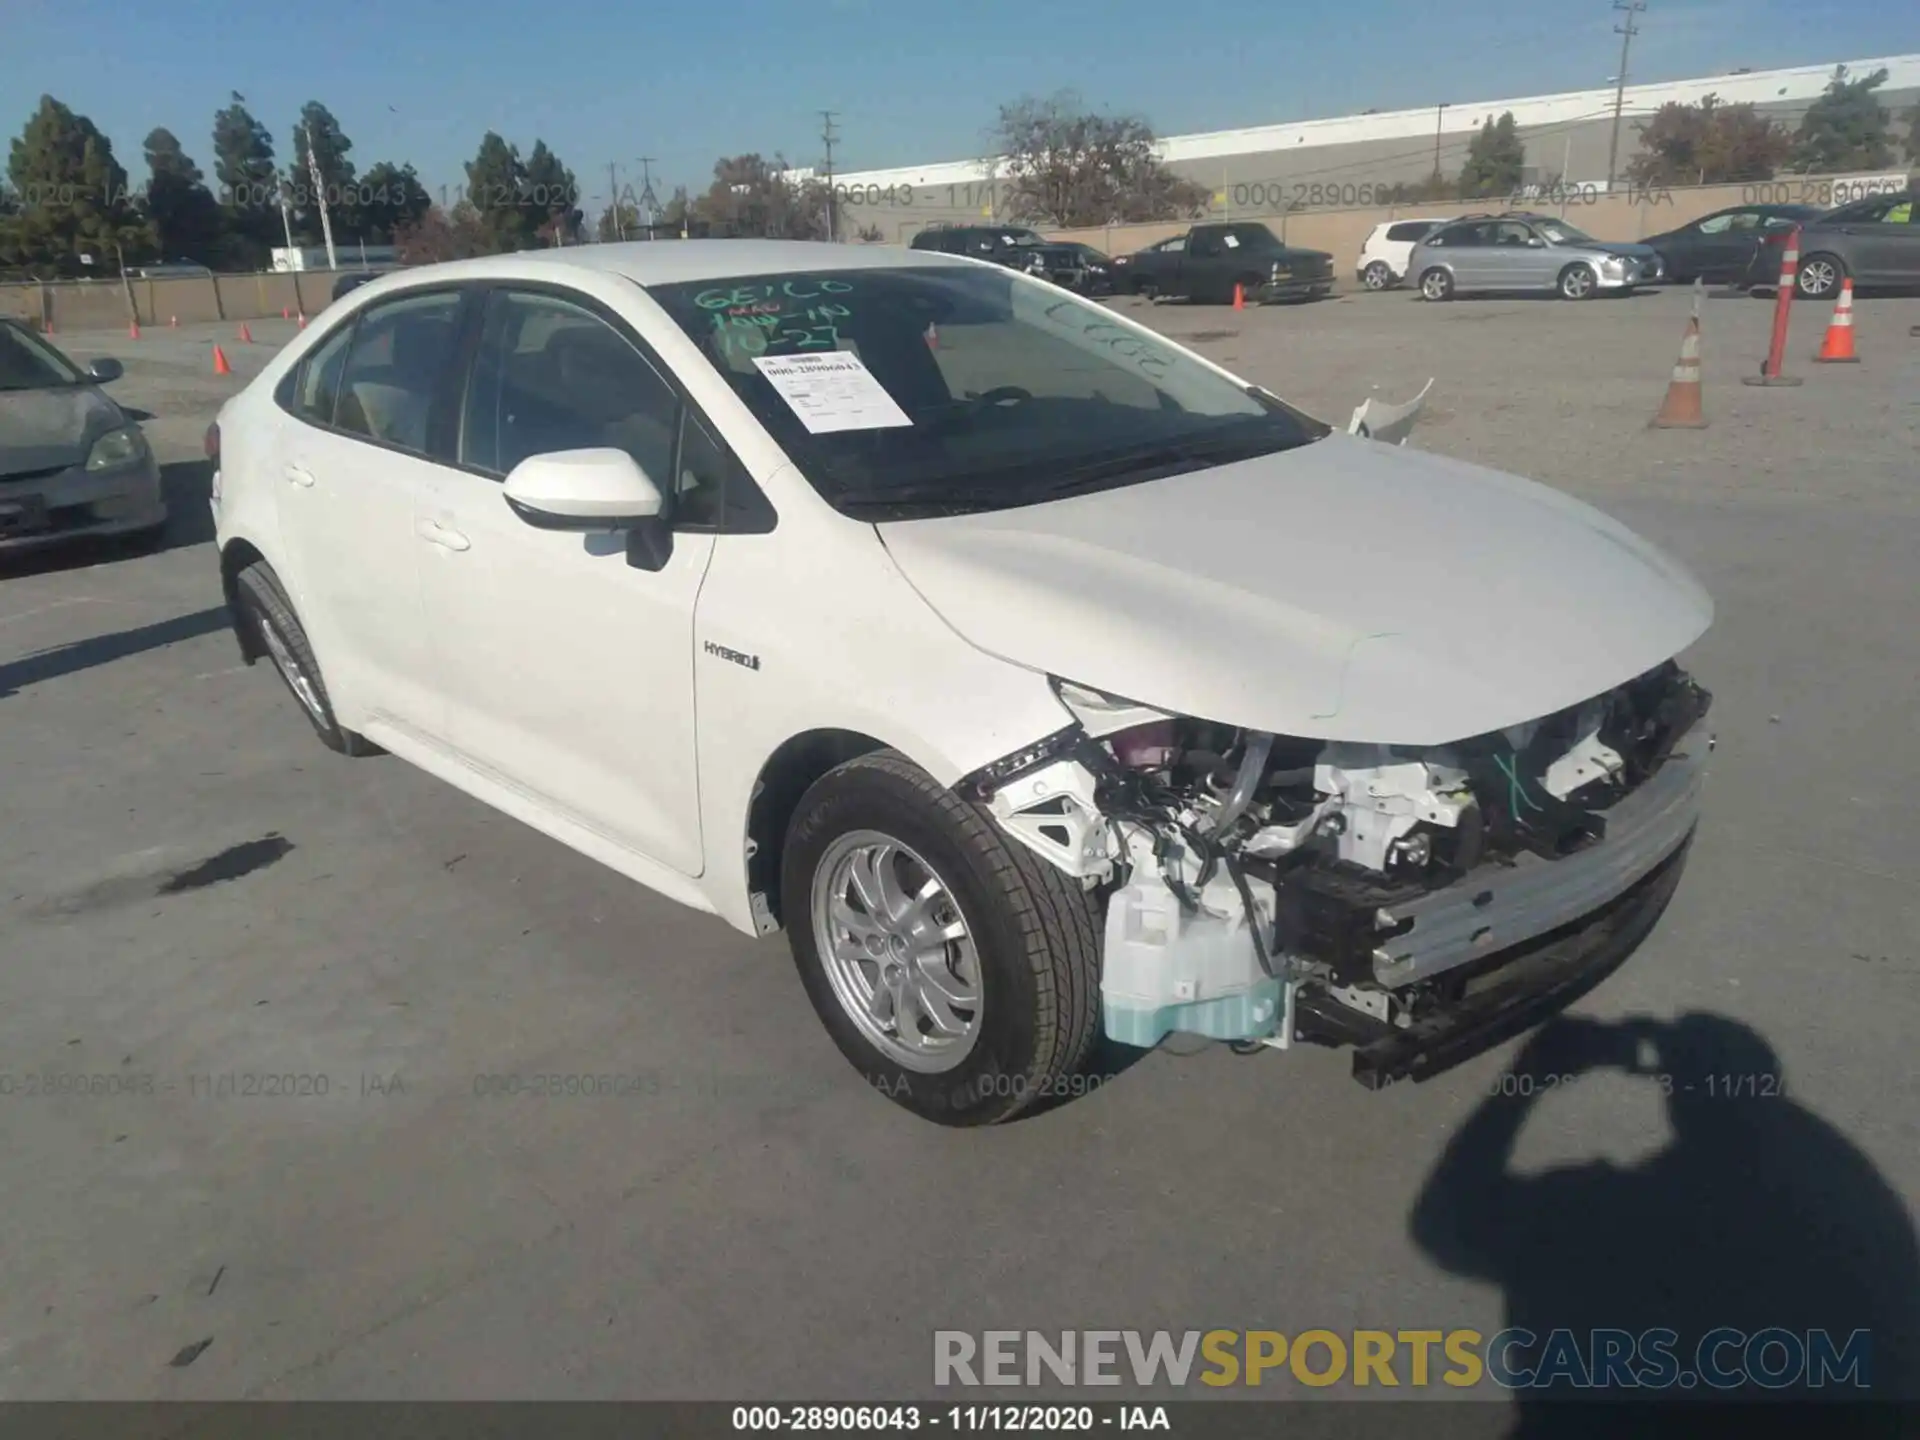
x=440, y=535
x=302, y=478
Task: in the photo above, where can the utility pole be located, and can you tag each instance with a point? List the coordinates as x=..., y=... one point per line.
x=613, y=190
x=1626, y=32
x=1438, y=112
x=320, y=195
x=827, y=138
x=648, y=200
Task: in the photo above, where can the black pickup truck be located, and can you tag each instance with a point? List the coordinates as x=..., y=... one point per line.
x=1209, y=260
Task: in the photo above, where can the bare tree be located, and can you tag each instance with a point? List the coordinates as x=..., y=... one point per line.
x=1061, y=164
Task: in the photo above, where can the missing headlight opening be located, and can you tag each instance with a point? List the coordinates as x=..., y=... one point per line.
x=1266, y=888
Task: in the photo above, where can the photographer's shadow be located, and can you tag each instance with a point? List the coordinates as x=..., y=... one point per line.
x=1756, y=1215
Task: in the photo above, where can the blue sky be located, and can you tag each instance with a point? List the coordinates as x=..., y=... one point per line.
x=912, y=80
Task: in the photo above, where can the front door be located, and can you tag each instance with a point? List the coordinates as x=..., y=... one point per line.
x=350, y=468
x=568, y=671
x=1887, y=246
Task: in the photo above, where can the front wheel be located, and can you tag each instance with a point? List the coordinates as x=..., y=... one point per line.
x=1377, y=276
x=1436, y=284
x=1578, y=282
x=955, y=969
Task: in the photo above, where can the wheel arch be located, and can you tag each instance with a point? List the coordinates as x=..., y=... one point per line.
x=236, y=555
x=784, y=777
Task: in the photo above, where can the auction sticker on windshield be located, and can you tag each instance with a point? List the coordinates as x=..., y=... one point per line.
x=831, y=392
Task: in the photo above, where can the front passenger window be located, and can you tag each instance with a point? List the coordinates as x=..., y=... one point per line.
x=552, y=375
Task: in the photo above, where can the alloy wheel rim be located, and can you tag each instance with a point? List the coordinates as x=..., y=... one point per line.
x=897, y=951
x=1433, y=287
x=1816, y=277
x=1578, y=282
x=290, y=670
x=1376, y=276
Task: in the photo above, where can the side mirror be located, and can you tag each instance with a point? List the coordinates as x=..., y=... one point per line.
x=105, y=371
x=1534, y=242
x=594, y=491
x=583, y=490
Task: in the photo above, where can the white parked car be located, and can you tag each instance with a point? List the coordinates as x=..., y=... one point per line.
x=1038, y=676
x=1383, y=258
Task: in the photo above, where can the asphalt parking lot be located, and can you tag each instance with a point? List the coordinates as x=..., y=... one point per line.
x=195, y=892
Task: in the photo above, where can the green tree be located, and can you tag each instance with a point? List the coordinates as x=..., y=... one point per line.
x=1065, y=165
x=1496, y=160
x=186, y=220
x=497, y=192
x=76, y=212
x=247, y=185
x=1707, y=144
x=619, y=222
x=391, y=199
x=552, y=195
x=1845, y=129
x=321, y=173
x=1912, y=142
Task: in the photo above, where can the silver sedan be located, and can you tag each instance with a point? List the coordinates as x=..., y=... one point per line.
x=72, y=465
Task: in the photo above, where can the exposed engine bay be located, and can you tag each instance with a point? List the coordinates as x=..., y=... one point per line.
x=1247, y=875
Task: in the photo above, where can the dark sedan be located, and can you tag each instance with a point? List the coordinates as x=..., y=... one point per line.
x=1719, y=247
x=1875, y=241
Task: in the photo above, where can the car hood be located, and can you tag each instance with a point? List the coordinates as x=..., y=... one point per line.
x=42, y=429
x=1342, y=590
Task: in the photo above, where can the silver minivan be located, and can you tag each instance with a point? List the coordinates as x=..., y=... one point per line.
x=1525, y=252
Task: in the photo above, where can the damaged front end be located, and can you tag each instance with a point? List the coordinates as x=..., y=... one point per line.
x=1416, y=903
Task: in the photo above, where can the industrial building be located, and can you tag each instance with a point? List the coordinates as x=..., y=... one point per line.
x=1353, y=161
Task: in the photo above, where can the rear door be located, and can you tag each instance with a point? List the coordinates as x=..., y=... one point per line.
x=351, y=471
x=1468, y=249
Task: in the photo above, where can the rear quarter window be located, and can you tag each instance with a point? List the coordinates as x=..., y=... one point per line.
x=1410, y=230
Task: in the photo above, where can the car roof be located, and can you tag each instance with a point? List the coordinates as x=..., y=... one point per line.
x=672, y=262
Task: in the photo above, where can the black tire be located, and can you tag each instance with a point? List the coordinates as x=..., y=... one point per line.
x=267, y=609
x=1436, y=284
x=1035, y=932
x=1819, y=276
x=1578, y=282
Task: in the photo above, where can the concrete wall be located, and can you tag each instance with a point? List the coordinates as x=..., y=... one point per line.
x=103, y=304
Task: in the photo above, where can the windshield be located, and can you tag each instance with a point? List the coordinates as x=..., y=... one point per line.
x=28, y=363
x=1562, y=233
x=940, y=389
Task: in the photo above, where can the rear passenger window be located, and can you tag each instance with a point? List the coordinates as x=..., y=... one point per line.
x=1409, y=230
x=552, y=375
x=318, y=385
x=400, y=353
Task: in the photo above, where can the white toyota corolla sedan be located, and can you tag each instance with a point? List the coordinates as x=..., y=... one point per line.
x=1038, y=676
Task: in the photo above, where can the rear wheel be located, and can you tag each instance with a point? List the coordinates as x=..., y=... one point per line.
x=1577, y=282
x=284, y=642
x=1820, y=276
x=1377, y=276
x=1436, y=284
x=955, y=969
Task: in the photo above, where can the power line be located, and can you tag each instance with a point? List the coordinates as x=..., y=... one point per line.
x=1626, y=32
x=827, y=138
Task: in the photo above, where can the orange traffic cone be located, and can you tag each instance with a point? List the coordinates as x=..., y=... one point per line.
x=173, y=322
x=933, y=336
x=1681, y=409
x=1239, y=296
x=285, y=313
x=246, y=335
x=303, y=319
x=220, y=365
x=1837, y=348
x=133, y=329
